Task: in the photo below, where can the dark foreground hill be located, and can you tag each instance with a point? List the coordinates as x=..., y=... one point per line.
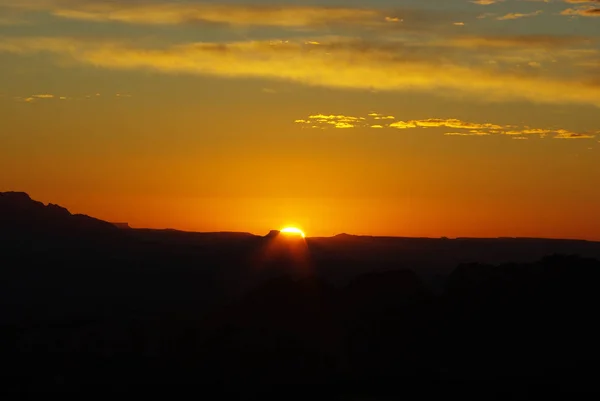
x=89, y=308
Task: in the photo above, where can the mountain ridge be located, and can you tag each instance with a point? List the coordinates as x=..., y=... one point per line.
x=20, y=213
x=15, y=204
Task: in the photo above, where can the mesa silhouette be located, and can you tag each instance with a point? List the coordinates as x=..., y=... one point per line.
x=89, y=305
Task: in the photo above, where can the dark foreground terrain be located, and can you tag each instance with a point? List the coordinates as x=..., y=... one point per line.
x=90, y=308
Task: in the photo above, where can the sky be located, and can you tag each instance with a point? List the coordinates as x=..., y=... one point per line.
x=422, y=118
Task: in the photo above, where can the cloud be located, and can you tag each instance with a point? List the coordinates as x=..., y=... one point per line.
x=516, y=42
x=180, y=13
x=33, y=98
x=339, y=65
x=486, y=2
x=48, y=96
x=378, y=116
x=564, y=134
x=402, y=125
x=512, y=16
x=585, y=11
x=446, y=123
x=582, y=11
x=463, y=128
x=336, y=121
x=325, y=118
x=452, y=123
x=240, y=14
x=470, y=133
x=343, y=125
x=149, y=12
x=525, y=52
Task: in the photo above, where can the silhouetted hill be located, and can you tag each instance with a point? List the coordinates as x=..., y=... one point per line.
x=273, y=234
x=20, y=215
x=85, y=306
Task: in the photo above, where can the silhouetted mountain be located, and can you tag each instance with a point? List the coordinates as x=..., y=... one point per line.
x=19, y=214
x=85, y=306
x=273, y=234
x=344, y=236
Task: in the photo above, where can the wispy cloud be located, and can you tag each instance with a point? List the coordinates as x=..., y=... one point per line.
x=336, y=121
x=48, y=96
x=486, y=2
x=172, y=13
x=459, y=127
x=448, y=123
x=334, y=65
x=582, y=11
x=519, y=42
x=32, y=98
x=468, y=133
x=378, y=116
x=590, y=8
x=512, y=16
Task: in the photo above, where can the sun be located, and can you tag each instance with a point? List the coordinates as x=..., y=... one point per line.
x=293, y=231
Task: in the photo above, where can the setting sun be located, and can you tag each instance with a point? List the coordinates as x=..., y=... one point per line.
x=293, y=231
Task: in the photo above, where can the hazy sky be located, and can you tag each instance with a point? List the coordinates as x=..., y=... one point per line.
x=407, y=117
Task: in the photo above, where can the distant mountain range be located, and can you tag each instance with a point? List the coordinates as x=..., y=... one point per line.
x=28, y=227
x=88, y=305
x=18, y=211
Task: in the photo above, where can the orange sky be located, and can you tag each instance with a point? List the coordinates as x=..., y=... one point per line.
x=379, y=118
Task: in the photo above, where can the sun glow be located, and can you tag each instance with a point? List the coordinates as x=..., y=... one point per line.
x=293, y=231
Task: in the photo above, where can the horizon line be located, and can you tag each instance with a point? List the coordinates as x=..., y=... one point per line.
x=363, y=235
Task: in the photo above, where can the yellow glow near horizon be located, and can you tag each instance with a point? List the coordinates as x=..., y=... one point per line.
x=293, y=231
